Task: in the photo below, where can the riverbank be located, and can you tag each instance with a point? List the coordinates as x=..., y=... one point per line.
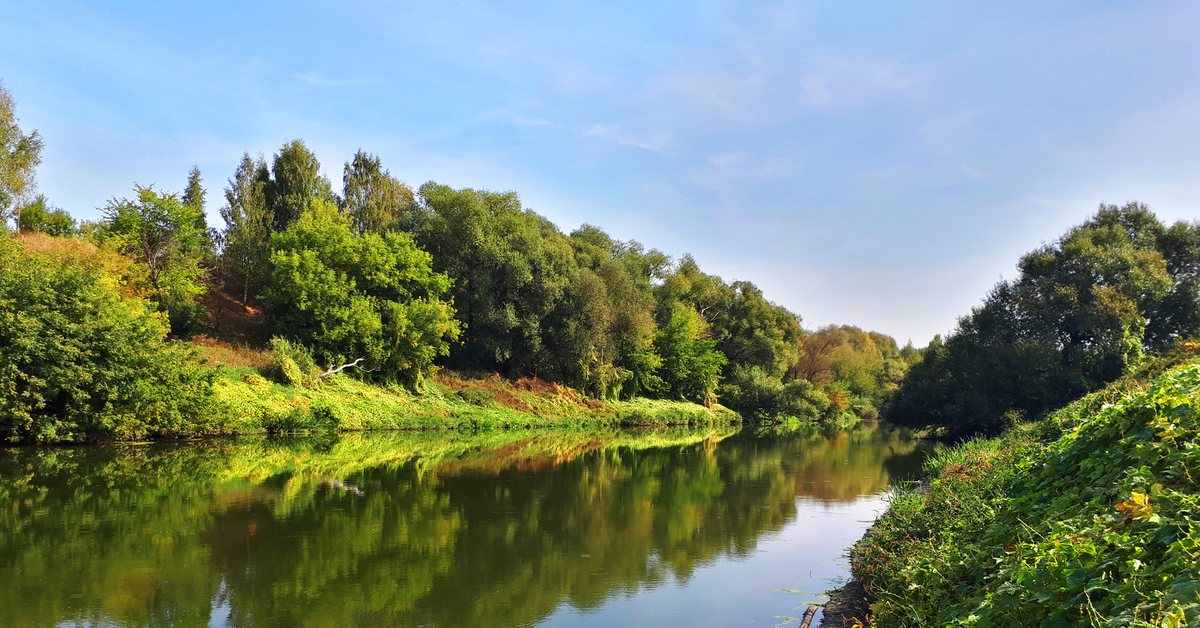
x=1087, y=516
x=449, y=402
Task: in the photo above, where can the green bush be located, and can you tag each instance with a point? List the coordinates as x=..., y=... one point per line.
x=293, y=363
x=79, y=362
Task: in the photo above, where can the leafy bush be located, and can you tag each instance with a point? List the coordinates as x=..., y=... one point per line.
x=293, y=363
x=756, y=394
x=79, y=362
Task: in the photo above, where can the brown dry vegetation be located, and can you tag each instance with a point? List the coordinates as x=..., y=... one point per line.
x=528, y=394
x=230, y=319
x=224, y=353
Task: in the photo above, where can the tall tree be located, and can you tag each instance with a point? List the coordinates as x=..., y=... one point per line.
x=374, y=199
x=1080, y=313
x=296, y=182
x=193, y=197
x=20, y=155
x=247, y=237
x=511, y=269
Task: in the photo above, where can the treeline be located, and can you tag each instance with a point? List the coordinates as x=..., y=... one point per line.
x=471, y=280
x=1081, y=312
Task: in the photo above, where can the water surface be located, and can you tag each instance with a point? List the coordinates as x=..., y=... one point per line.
x=710, y=528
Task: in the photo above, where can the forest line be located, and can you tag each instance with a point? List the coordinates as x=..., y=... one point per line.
x=471, y=280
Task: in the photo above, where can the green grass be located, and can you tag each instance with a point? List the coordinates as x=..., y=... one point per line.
x=258, y=405
x=1089, y=517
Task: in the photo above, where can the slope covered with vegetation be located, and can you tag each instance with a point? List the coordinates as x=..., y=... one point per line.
x=1088, y=517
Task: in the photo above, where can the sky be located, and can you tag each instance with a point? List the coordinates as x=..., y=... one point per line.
x=881, y=164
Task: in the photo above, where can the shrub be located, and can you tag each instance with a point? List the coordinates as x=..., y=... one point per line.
x=79, y=362
x=293, y=363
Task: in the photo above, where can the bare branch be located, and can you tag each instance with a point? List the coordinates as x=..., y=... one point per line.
x=339, y=369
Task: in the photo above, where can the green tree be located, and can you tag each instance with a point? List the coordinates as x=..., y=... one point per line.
x=37, y=216
x=1076, y=317
x=350, y=296
x=296, y=183
x=375, y=200
x=193, y=198
x=691, y=364
x=20, y=155
x=246, y=242
x=81, y=362
x=159, y=231
x=512, y=270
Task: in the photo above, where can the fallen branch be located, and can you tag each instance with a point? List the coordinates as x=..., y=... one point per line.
x=339, y=369
x=808, y=615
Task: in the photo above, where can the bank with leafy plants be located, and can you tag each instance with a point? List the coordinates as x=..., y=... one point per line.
x=1088, y=517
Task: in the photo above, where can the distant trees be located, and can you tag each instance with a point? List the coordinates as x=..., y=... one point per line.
x=1080, y=312
x=37, y=216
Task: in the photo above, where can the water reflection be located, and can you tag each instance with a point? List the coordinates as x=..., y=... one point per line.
x=401, y=529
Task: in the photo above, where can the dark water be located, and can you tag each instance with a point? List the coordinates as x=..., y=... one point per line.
x=534, y=529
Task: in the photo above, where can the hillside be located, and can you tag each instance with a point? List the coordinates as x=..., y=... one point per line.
x=1088, y=517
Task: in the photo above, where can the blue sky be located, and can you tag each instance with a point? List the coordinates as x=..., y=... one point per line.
x=878, y=164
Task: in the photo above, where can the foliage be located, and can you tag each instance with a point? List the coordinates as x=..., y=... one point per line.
x=36, y=217
x=81, y=362
x=20, y=155
x=1097, y=527
x=160, y=232
x=350, y=296
x=376, y=201
x=1077, y=316
x=246, y=241
x=292, y=363
x=691, y=365
x=296, y=183
x=511, y=270
x=757, y=395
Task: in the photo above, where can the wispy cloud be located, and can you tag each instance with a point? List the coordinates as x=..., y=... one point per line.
x=655, y=141
x=523, y=121
x=318, y=79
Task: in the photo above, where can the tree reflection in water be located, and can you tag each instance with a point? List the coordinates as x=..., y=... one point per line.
x=400, y=529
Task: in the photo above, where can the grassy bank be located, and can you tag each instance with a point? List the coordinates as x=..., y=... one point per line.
x=451, y=401
x=1088, y=517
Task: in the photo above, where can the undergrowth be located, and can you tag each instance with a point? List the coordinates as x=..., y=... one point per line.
x=450, y=401
x=1088, y=517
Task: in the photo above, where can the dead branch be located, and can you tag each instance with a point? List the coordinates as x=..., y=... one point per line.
x=339, y=369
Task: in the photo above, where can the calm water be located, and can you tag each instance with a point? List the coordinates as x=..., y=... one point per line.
x=615, y=529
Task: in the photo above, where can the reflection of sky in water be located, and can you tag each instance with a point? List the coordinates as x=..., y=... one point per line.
x=788, y=570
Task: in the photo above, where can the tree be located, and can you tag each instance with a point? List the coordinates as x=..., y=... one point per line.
x=159, y=231
x=691, y=365
x=193, y=198
x=512, y=270
x=1080, y=313
x=375, y=200
x=20, y=155
x=349, y=296
x=246, y=241
x=37, y=217
x=80, y=362
x=296, y=182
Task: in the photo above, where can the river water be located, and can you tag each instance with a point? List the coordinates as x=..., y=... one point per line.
x=709, y=528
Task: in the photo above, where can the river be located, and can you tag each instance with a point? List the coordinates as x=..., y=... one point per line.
x=711, y=528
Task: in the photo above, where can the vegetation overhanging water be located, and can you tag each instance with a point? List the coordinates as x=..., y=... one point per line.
x=428, y=528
